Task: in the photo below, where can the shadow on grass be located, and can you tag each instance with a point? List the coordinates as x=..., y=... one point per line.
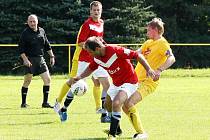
x=17, y=114
x=19, y=108
x=121, y=138
x=90, y=139
x=38, y=123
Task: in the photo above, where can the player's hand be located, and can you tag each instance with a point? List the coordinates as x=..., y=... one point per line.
x=157, y=75
x=52, y=61
x=75, y=79
x=27, y=63
x=151, y=73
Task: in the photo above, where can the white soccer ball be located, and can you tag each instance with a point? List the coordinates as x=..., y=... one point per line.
x=79, y=88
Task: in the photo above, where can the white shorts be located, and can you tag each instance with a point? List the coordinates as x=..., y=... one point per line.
x=127, y=87
x=100, y=72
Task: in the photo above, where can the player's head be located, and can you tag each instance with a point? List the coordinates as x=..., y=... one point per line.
x=32, y=22
x=93, y=45
x=95, y=10
x=155, y=28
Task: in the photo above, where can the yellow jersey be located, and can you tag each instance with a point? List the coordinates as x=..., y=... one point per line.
x=156, y=53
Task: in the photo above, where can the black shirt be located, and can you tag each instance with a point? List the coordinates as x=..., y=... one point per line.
x=33, y=43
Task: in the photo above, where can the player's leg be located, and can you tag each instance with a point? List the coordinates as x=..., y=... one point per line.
x=104, y=81
x=117, y=103
x=97, y=94
x=63, y=111
x=69, y=98
x=123, y=93
x=145, y=88
x=108, y=106
x=132, y=112
x=64, y=90
x=24, y=89
x=105, y=114
x=100, y=76
x=66, y=86
x=46, y=88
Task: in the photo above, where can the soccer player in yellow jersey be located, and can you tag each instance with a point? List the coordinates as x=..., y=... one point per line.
x=159, y=55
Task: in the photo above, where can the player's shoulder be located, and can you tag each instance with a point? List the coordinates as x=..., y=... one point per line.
x=26, y=32
x=163, y=40
x=163, y=43
x=101, y=21
x=110, y=48
x=88, y=21
x=149, y=41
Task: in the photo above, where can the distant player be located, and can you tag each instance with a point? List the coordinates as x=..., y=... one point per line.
x=159, y=55
x=93, y=26
x=116, y=61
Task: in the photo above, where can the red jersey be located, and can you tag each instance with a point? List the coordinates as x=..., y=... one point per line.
x=88, y=29
x=117, y=63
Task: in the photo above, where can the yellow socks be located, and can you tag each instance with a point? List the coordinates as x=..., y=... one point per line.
x=63, y=92
x=97, y=96
x=135, y=119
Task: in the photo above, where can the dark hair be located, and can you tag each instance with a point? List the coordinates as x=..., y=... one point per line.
x=92, y=43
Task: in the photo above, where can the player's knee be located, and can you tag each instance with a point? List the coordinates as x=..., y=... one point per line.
x=116, y=104
x=129, y=104
x=26, y=82
x=47, y=80
x=69, y=82
x=125, y=110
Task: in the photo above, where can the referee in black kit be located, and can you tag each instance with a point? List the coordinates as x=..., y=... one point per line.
x=32, y=44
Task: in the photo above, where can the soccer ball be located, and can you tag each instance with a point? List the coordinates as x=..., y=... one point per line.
x=79, y=88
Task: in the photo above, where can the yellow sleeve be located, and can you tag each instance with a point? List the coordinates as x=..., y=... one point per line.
x=164, y=48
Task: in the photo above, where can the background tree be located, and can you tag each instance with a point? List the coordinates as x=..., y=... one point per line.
x=125, y=20
x=61, y=21
x=186, y=22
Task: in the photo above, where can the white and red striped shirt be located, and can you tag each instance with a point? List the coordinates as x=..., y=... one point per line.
x=88, y=29
x=117, y=63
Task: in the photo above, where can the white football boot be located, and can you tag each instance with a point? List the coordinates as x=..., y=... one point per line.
x=139, y=136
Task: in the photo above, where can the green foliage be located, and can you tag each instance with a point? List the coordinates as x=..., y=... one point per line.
x=61, y=21
x=125, y=21
x=186, y=22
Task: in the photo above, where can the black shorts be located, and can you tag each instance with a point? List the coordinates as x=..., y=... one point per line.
x=39, y=66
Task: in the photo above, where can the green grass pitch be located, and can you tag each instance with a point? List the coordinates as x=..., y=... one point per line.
x=178, y=110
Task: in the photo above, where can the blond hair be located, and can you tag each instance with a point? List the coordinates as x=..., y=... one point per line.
x=95, y=3
x=157, y=23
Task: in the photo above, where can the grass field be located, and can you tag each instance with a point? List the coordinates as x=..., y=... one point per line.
x=178, y=110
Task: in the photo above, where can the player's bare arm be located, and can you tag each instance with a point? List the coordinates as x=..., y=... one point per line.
x=146, y=65
x=26, y=62
x=170, y=60
x=52, y=57
x=86, y=73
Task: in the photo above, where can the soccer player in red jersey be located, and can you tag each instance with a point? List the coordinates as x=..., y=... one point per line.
x=93, y=26
x=116, y=60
